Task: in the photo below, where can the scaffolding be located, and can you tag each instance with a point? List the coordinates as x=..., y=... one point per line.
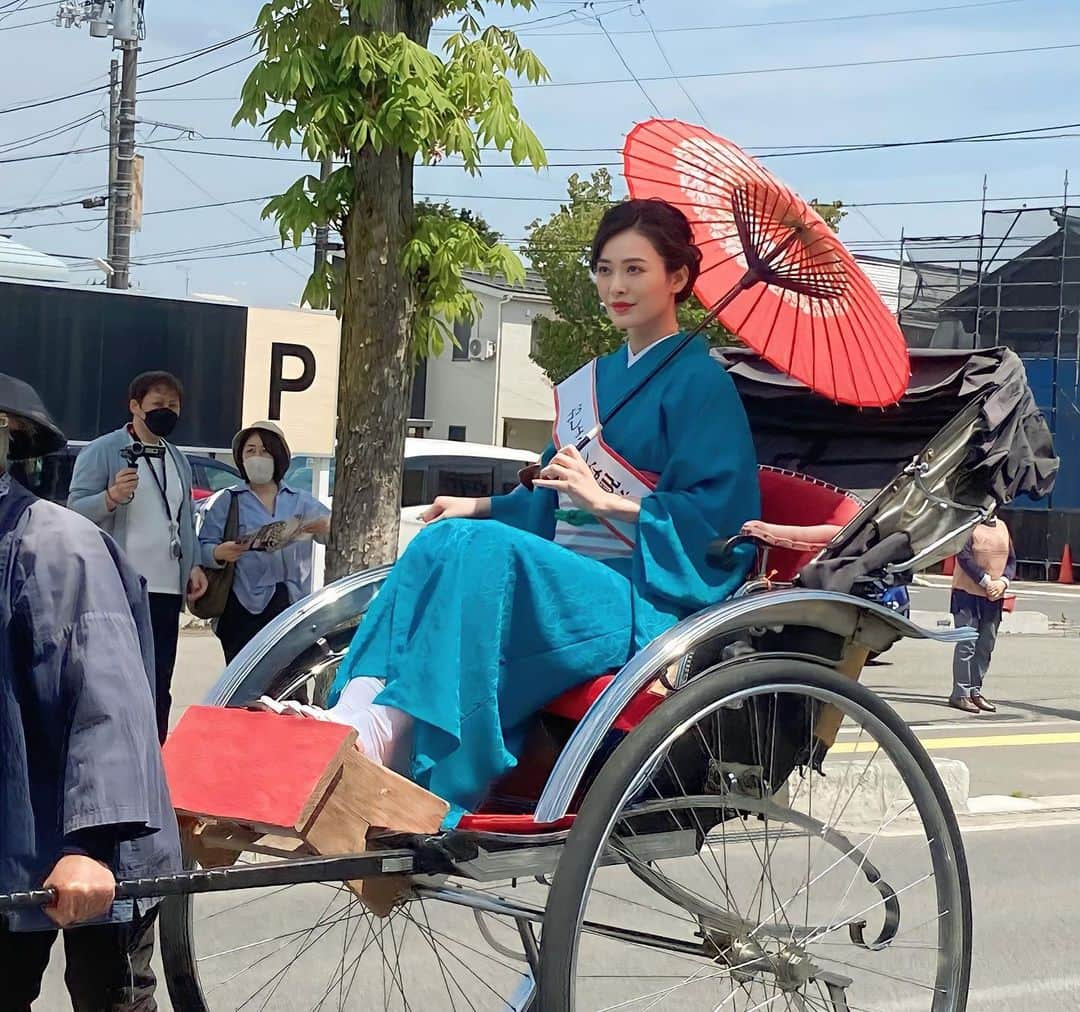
x=1016, y=282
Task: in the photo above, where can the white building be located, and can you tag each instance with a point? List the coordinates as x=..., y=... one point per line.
x=488, y=389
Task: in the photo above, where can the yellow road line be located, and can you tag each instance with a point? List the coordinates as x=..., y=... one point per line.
x=984, y=741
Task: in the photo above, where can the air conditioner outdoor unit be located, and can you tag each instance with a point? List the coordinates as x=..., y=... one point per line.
x=479, y=349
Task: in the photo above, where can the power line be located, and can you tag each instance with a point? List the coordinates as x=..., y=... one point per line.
x=783, y=22
x=192, y=54
x=514, y=197
x=622, y=60
x=192, y=80
x=702, y=118
x=50, y=134
x=48, y=207
x=808, y=67
x=1014, y=137
x=26, y=24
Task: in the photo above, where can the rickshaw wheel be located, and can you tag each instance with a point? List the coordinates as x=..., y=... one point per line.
x=814, y=880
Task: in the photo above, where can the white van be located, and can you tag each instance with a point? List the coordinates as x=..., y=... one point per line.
x=435, y=467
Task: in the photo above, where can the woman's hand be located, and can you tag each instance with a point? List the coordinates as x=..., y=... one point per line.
x=568, y=472
x=229, y=551
x=451, y=507
x=320, y=527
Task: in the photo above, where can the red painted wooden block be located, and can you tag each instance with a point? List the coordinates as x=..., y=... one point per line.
x=252, y=768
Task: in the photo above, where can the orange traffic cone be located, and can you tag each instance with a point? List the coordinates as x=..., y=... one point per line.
x=1065, y=573
x=949, y=565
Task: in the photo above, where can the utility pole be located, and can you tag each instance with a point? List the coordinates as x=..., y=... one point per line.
x=322, y=235
x=125, y=167
x=126, y=31
x=122, y=21
x=114, y=143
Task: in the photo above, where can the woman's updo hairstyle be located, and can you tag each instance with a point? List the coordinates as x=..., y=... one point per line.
x=666, y=228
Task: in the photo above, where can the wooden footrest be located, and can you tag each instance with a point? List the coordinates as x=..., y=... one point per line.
x=244, y=781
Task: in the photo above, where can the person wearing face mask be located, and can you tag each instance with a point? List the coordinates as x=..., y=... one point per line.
x=83, y=796
x=145, y=503
x=264, y=583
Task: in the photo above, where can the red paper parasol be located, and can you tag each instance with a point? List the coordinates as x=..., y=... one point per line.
x=773, y=272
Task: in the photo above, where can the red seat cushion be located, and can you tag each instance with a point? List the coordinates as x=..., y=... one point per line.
x=796, y=501
x=575, y=703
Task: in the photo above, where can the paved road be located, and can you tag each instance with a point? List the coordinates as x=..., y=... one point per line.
x=1059, y=603
x=1026, y=895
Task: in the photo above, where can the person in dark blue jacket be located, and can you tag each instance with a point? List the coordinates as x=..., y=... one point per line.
x=83, y=797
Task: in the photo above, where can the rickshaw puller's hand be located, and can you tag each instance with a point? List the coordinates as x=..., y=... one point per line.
x=454, y=507
x=85, y=889
x=568, y=472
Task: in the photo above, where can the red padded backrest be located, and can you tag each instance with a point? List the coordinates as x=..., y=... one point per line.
x=791, y=498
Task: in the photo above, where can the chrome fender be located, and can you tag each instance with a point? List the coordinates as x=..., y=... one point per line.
x=870, y=624
x=336, y=605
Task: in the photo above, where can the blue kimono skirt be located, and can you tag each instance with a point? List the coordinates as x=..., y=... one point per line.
x=483, y=622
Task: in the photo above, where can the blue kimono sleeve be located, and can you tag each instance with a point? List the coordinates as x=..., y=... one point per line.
x=528, y=511
x=707, y=490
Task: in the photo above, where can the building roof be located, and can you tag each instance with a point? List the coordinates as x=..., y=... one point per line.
x=1067, y=225
x=22, y=263
x=533, y=285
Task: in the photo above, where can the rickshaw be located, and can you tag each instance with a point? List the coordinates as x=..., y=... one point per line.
x=732, y=821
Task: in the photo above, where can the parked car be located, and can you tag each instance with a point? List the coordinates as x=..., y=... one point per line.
x=435, y=467
x=50, y=477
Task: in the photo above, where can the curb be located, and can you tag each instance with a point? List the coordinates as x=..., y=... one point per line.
x=1003, y=804
x=1015, y=623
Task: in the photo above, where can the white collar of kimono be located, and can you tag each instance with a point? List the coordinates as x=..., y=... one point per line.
x=634, y=356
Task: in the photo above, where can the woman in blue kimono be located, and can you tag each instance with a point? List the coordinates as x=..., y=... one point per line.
x=501, y=604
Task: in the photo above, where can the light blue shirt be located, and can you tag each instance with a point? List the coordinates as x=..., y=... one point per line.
x=258, y=573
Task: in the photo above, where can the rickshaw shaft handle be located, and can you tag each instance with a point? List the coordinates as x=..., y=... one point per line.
x=345, y=868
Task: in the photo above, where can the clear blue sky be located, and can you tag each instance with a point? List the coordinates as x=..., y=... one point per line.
x=899, y=101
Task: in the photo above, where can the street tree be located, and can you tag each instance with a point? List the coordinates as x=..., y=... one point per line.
x=558, y=249
x=355, y=82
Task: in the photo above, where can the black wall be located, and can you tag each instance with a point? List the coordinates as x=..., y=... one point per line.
x=81, y=348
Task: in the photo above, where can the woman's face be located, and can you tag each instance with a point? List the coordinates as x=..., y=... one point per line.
x=254, y=447
x=634, y=284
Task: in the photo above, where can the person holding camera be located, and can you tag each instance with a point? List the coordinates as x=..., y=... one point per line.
x=137, y=487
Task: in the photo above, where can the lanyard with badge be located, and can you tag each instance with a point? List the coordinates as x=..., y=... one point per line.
x=175, y=548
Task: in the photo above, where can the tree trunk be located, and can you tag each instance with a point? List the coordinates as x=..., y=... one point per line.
x=375, y=367
x=376, y=363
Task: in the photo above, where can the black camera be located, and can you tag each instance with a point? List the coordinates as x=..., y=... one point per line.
x=136, y=450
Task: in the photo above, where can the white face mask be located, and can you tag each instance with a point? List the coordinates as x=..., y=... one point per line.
x=260, y=470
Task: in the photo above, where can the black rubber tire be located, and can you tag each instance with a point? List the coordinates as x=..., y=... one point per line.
x=573, y=878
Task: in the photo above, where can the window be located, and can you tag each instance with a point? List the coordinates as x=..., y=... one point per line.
x=217, y=476
x=462, y=333
x=456, y=433
x=508, y=476
x=468, y=476
x=534, y=336
x=412, y=485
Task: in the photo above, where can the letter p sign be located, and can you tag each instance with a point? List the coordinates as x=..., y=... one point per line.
x=278, y=383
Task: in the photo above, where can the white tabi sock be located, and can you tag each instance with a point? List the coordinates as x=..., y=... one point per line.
x=384, y=731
